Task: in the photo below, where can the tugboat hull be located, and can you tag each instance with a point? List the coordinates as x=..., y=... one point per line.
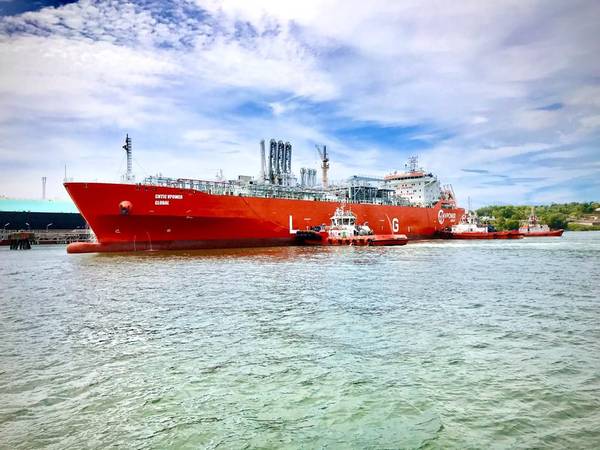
x=484, y=235
x=551, y=233
x=323, y=238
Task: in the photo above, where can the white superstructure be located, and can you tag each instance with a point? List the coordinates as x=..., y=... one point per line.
x=415, y=185
x=469, y=223
x=343, y=225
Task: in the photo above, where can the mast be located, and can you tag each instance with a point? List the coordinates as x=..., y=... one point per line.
x=127, y=148
x=413, y=161
x=532, y=218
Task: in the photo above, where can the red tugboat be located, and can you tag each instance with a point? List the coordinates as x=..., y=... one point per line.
x=469, y=228
x=533, y=228
x=174, y=214
x=344, y=231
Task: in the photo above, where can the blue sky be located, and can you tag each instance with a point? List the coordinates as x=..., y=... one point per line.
x=499, y=99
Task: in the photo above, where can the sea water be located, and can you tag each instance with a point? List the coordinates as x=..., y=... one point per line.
x=437, y=344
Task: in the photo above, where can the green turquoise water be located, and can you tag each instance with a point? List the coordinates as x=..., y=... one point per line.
x=48, y=206
x=431, y=345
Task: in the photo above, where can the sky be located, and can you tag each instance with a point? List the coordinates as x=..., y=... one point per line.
x=499, y=99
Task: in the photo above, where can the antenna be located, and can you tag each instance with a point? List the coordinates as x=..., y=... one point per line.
x=322, y=149
x=43, y=188
x=127, y=148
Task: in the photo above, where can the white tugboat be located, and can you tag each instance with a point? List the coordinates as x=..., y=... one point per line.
x=345, y=231
x=533, y=227
x=470, y=228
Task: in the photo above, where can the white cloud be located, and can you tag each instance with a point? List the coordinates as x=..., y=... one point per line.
x=474, y=79
x=57, y=77
x=591, y=122
x=479, y=119
x=537, y=119
x=267, y=64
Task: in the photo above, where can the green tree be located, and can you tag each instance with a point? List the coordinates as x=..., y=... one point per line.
x=511, y=224
x=556, y=221
x=555, y=215
x=508, y=212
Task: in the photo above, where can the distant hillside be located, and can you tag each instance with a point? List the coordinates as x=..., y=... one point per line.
x=571, y=216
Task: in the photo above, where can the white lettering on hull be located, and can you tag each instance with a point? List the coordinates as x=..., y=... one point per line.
x=168, y=196
x=164, y=199
x=292, y=231
x=443, y=216
x=394, y=224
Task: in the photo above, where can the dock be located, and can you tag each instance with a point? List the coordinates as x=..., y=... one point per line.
x=23, y=240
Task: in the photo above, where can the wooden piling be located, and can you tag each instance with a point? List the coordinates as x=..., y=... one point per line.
x=21, y=240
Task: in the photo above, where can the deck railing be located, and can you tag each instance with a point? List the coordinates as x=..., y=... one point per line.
x=250, y=189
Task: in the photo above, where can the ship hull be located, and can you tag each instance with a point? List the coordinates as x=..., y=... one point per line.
x=174, y=245
x=130, y=217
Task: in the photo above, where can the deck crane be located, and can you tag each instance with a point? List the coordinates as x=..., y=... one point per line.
x=322, y=149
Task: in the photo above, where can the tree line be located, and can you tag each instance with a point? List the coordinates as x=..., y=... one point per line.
x=556, y=215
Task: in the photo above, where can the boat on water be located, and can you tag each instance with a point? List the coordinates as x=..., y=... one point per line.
x=163, y=213
x=344, y=230
x=470, y=228
x=533, y=228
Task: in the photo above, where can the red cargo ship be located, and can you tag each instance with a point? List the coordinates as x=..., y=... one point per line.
x=175, y=214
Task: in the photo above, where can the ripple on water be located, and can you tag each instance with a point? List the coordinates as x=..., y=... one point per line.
x=432, y=345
